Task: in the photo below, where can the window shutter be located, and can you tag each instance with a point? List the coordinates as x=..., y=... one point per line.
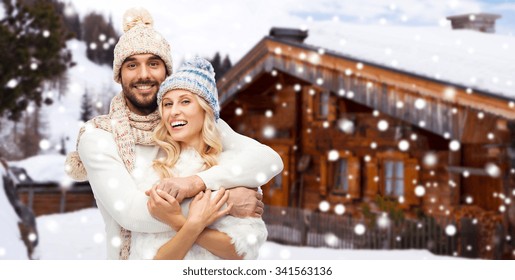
x=410, y=174
x=311, y=104
x=323, y=175
x=333, y=102
x=371, y=171
x=353, y=170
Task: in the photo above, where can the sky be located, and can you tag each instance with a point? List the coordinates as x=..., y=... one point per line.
x=233, y=27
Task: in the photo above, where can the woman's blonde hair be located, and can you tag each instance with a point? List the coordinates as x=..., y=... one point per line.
x=211, y=144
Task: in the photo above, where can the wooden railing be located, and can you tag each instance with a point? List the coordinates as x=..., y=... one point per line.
x=439, y=235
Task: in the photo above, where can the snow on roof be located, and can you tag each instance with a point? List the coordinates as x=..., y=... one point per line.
x=468, y=58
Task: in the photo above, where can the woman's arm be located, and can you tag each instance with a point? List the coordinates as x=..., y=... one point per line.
x=203, y=212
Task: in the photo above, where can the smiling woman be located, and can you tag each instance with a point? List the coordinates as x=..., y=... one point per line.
x=189, y=137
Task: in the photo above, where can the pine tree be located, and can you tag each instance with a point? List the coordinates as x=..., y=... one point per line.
x=220, y=66
x=32, y=51
x=226, y=65
x=100, y=37
x=86, y=109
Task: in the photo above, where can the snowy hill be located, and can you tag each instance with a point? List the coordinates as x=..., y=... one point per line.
x=62, y=117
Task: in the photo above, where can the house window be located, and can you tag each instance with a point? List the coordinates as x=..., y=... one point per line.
x=394, y=178
x=277, y=182
x=323, y=105
x=341, y=176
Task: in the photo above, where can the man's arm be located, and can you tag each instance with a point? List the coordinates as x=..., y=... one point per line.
x=243, y=162
x=112, y=184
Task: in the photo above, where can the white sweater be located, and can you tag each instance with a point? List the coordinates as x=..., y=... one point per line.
x=247, y=235
x=244, y=162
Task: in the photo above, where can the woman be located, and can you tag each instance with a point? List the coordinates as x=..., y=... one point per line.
x=188, y=105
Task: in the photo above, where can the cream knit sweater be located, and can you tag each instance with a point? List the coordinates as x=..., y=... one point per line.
x=119, y=195
x=247, y=234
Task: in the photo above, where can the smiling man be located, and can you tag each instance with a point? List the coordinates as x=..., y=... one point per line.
x=116, y=151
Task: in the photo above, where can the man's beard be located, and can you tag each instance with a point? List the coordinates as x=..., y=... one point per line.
x=140, y=103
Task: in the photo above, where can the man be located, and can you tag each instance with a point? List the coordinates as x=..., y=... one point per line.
x=115, y=151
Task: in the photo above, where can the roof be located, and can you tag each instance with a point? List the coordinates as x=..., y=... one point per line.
x=463, y=57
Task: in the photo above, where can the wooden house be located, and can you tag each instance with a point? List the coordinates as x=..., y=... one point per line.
x=356, y=129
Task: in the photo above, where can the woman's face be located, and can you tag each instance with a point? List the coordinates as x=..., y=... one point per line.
x=183, y=117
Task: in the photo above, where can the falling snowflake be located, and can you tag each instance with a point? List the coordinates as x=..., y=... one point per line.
x=236, y=170
x=383, y=221
x=12, y=83
x=324, y=206
x=116, y=242
x=119, y=205
x=430, y=159
x=44, y=144
x=339, y=209
x=420, y=191
x=252, y=239
x=98, y=237
x=450, y=230
x=403, y=145
x=359, y=229
x=492, y=170
x=454, y=145
x=333, y=155
x=346, y=126
x=382, y=125
x=331, y=239
x=261, y=177
x=285, y=254
x=268, y=132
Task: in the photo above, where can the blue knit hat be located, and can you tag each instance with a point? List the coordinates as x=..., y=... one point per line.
x=197, y=76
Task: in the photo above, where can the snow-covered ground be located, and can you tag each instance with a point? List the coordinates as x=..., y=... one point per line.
x=80, y=236
x=11, y=246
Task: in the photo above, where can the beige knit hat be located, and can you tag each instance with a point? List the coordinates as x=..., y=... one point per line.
x=139, y=38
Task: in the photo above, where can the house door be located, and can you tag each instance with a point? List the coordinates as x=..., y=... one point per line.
x=275, y=192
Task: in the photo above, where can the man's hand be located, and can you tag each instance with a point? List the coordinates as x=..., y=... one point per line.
x=181, y=187
x=246, y=202
x=165, y=208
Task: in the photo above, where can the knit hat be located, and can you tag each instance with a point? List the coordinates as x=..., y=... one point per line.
x=197, y=76
x=140, y=38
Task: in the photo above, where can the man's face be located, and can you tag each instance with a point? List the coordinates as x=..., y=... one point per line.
x=140, y=76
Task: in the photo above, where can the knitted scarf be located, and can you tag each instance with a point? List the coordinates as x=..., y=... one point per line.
x=129, y=129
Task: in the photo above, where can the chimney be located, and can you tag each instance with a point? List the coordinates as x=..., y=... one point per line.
x=289, y=34
x=482, y=22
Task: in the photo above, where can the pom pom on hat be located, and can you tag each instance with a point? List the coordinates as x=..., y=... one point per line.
x=199, y=63
x=136, y=16
x=140, y=38
x=196, y=76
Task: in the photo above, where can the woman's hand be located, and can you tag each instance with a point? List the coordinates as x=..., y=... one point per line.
x=165, y=208
x=204, y=210
x=181, y=187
